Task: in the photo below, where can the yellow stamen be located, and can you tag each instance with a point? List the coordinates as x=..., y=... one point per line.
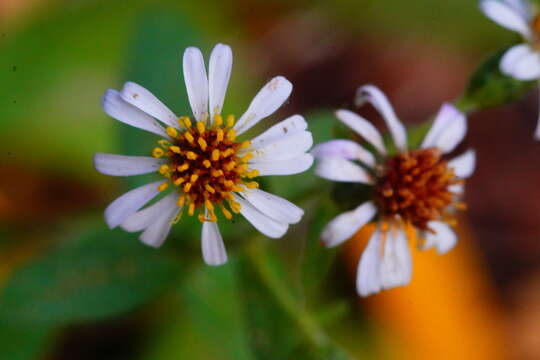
x=181, y=200
x=185, y=121
x=163, y=186
x=215, y=155
x=228, y=183
x=206, y=163
x=230, y=165
x=218, y=120
x=164, y=143
x=245, y=144
x=231, y=135
x=200, y=127
x=246, y=157
x=172, y=132
x=189, y=137
x=230, y=120
x=209, y=204
x=210, y=189
x=226, y=213
x=253, y=185
x=202, y=143
x=253, y=173
x=174, y=149
x=191, y=155
x=157, y=152
x=219, y=135
x=202, y=218
x=194, y=178
x=191, y=209
x=235, y=206
x=183, y=167
x=217, y=173
x=163, y=169
x=179, y=181
x=187, y=187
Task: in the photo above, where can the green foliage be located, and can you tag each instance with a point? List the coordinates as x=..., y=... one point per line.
x=24, y=342
x=488, y=87
x=96, y=275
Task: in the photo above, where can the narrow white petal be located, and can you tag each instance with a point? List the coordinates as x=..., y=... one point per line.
x=457, y=189
x=124, y=165
x=506, y=16
x=527, y=67
x=396, y=266
x=196, y=82
x=143, y=99
x=444, y=238
x=374, y=96
x=146, y=217
x=157, y=232
x=345, y=225
x=464, y=164
x=288, y=126
x=219, y=72
x=212, y=246
x=127, y=204
x=523, y=7
x=122, y=111
x=339, y=169
x=274, y=206
x=363, y=127
x=265, y=103
x=368, y=280
x=266, y=225
x=345, y=149
x=296, y=165
x=283, y=148
x=446, y=115
x=513, y=55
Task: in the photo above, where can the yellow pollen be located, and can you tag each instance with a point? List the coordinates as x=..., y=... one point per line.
x=235, y=206
x=246, y=157
x=172, y=132
x=163, y=169
x=217, y=173
x=194, y=178
x=185, y=121
x=219, y=135
x=245, y=144
x=181, y=201
x=210, y=189
x=227, y=153
x=215, y=155
x=189, y=137
x=230, y=120
x=187, y=187
x=228, y=183
x=174, y=149
x=164, y=143
x=183, y=167
x=253, y=173
x=253, y=185
x=179, y=181
x=230, y=165
x=191, y=155
x=163, y=186
x=202, y=218
x=202, y=143
x=157, y=152
x=218, y=120
x=231, y=135
x=207, y=163
x=237, y=188
x=191, y=209
x=226, y=213
x=200, y=127
x=208, y=204
x=242, y=168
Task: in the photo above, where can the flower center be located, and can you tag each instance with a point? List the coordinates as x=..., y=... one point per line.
x=535, y=27
x=206, y=165
x=415, y=186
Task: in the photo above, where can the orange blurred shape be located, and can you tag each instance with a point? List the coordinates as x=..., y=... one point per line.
x=448, y=311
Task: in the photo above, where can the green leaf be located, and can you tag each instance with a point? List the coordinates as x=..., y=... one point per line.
x=24, y=342
x=102, y=273
x=488, y=87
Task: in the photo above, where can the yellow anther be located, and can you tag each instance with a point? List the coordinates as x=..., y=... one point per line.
x=189, y=137
x=183, y=167
x=202, y=143
x=215, y=155
x=213, y=217
x=164, y=143
x=194, y=178
x=231, y=135
x=253, y=173
x=206, y=163
x=242, y=168
x=230, y=165
x=191, y=209
x=245, y=144
x=179, y=181
x=163, y=186
x=202, y=218
x=235, y=206
x=163, y=169
x=253, y=185
x=218, y=120
x=209, y=205
x=219, y=135
x=172, y=132
x=246, y=157
x=227, y=153
x=230, y=120
x=191, y=155
x=184, y=121
x=210, y=189
x=217, y=173
x=158, y=152
x=181, y=201
x=226, y=213
x=237, y=188
x=228, y=183
x=200, y=127
x=174, y=149
x=187, y=187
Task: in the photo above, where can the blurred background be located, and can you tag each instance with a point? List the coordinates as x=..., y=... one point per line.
x=72, y=289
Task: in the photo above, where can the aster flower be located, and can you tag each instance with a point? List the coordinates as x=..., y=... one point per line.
x=522, y=61
x=200, y=158
x=414, y=192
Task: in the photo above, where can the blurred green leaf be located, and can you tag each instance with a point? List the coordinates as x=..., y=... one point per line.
x=24, y=342
x=102, y=273
x=488, y=87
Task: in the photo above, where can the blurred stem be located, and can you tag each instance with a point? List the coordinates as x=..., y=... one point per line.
x=283, y=296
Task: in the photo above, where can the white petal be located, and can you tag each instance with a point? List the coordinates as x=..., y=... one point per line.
x=339, y=169
x=122, y=111
x=523, y=7
x=345, y=149
x=274, y=206
x=368, y=280
x=448, y=129
x=260, y=221
x=146, y=217
x=457, y=189
x=219, y=73
x=525, y=68
x=443, y=240
x=143, y=99
x=396, y=266
x=283, y=167
x=283, y=148
x=363, y=127
x=123, y=165
x=372, y=94
x=345, y=225
x=288, y=126
x=196, y=82
x=213, y=249
x=464, y=164
x=127, y=204
x=506, y=16
x=512, y=55
x=265, y=103
x=157, y=232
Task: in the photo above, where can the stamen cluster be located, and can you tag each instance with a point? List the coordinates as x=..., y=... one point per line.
x=415, y=186
x=206, y=165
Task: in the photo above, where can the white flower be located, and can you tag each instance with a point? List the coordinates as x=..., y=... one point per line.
x=414, y=191
x=522, y=62
x=202, y=160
